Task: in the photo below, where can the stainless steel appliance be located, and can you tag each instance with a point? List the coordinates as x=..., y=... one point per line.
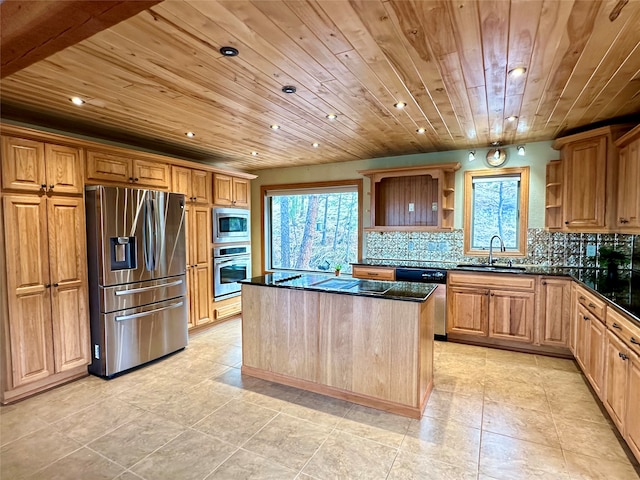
x=431, y=275
x=230, y=265
x=137, y=284
x=231, y=225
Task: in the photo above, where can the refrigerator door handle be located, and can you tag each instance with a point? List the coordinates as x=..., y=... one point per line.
x=146, y=289
x=148, y=233
x=122, y=318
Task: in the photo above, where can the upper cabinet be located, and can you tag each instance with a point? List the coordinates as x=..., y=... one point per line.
x=589, y=180
x=628, y=217
x=195, y=184
x=231, y=191
x=110, y=167
x=413, y=198
x=31, y=166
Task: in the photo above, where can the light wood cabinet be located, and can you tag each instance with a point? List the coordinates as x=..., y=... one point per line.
x=589, y=314
x=199, y=264
x=48, y=320
x=616, y=373
x=554, y=311
x=498, y=307
x=31, y=166
x=226, y=308
x=590, y=179
x=231, y=191
x=196, y=185
x=632, y=425
x=110, y=167
x=628, y=206
x=412, y=198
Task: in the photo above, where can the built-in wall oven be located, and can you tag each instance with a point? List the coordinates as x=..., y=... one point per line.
x=231, y=225
x=230, y=264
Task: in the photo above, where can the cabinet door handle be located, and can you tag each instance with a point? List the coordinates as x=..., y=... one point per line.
x=634, y=341
x=585, y=317
x=581, y=297
x=544, y=282
x=56, y=285
x=493, y=294
x=566, y=223
x=43, y=186
x=622, y=356
x=591, y=305
x=51, y=186
x=615, y=325
x=131, y=179
x=135, y=179
x=47, y=285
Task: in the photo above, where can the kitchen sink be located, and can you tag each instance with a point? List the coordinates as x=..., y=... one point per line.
x=479, y=267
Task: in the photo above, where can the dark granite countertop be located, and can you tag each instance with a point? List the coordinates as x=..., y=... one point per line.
x=622, y=292
x=345, y=285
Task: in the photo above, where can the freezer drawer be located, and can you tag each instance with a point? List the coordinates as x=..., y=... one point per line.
x=132, y=337
x=128, y=296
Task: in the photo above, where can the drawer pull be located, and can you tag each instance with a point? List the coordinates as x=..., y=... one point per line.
x=634, y=341
x=615, y=325
x=622, y=356
x=585, y=317
x=372, y=274
x=591, y=305
x=582, y=298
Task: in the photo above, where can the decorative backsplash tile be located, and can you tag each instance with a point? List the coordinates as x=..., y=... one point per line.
x=543, y=248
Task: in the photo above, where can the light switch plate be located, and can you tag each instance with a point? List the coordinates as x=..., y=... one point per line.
x=434, y=206
x=412, y=207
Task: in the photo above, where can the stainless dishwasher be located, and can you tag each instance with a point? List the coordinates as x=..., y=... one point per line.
x=431, y=275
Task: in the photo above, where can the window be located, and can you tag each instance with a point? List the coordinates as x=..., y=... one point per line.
x=496, y=203
x=312, y=227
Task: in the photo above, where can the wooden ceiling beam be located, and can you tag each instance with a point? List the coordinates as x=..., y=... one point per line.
x=34, y=30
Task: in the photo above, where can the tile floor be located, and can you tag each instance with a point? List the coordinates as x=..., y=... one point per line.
x=492, y=415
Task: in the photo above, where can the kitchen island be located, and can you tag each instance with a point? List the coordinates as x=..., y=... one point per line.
x=367, y=342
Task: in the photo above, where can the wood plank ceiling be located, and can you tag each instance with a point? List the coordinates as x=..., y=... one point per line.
x=159, y=74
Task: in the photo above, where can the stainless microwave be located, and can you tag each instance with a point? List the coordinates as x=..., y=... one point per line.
x=231, y=225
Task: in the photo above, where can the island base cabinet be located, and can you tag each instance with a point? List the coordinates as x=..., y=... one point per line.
x=372, y=351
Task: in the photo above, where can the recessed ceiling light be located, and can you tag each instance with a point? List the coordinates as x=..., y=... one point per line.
x=332, y=116
x=76, y=100
x=275, y=127
x=229, y=51
x=421, y=130
x=255, y=154
x=517, y=72
x=190, y=134
x=289, y=89
x=315, y=144
x=511, y=118
x=400, y=105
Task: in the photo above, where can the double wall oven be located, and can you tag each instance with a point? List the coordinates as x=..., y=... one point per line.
x=231, y=251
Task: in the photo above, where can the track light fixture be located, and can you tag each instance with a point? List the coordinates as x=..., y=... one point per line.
x=521, y=150
x=472, y=155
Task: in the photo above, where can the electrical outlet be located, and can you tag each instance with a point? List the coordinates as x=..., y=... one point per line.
x=591, y=250
x=434, y=206
x=410, y=246
x=412, y=207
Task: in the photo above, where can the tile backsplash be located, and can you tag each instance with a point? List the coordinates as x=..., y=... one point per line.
x=543, y=248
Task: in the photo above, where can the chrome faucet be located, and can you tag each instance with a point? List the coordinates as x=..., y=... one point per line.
x=502, y=249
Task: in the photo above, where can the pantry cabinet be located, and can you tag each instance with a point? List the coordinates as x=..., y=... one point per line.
x=32, y=166
x=199, y=266
x=231, y=191
x=48, y=321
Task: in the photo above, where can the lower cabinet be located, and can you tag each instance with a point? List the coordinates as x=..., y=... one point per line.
x=589, y=327
x=554, y=311
x=632, y=430
x=467, y=311
x=227, y=308
x=616, y=376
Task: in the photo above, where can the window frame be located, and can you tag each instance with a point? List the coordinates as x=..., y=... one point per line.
x=264, y=189
x=523, y=208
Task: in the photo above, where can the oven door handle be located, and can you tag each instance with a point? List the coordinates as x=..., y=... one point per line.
x=225, y=262
x=146, y=289
x=122, y=318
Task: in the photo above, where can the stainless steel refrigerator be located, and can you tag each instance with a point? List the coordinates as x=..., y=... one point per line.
x=137, y=276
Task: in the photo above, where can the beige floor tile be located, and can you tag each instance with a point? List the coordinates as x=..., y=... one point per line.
x=515, y=372
x=462, y=360
x=94, y=421
x=133, y=441
x=446, y=348
x=18, y=422
x=563, y=377
x=33, y=452
x=318, y=408
x=128, y=476
x=520, y=394
x=411, y=466
x=244, y=465
x=447, y=382
x=81, y=464
x=448, y=406
x=522, y=423
x=270, y=395
x=236, y=422
x=447, y=442
x=190, y=456
x=554, y=363
x=582, y=467
x=576, y=409
x=230, y=356
x=507, y=458
x=376, y=425
x=570, y=389
x=459, y=370
x=507, y=356
x=346, y=456
x=288, y=441
x=588, y=438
